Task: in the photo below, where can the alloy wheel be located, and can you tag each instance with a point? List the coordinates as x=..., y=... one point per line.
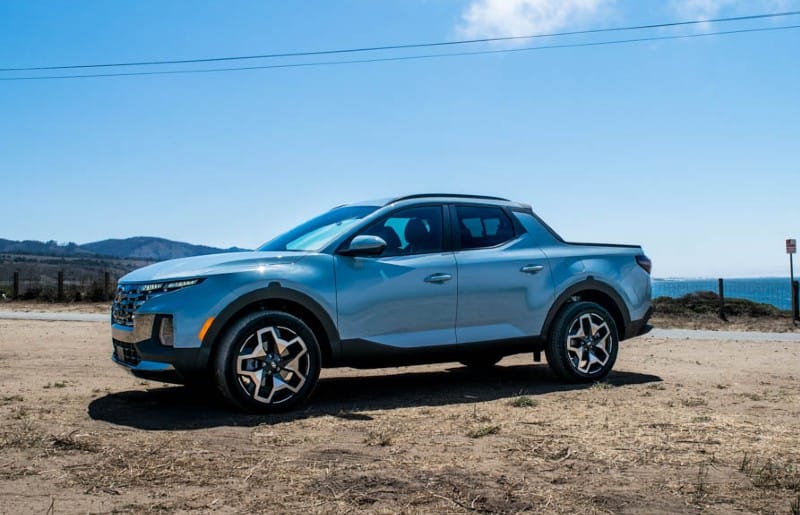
x=589, y=343
x=272, y=365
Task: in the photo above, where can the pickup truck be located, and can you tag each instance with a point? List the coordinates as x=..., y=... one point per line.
x=407, y=280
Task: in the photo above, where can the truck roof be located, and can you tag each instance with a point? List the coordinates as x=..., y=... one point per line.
x=443, y=197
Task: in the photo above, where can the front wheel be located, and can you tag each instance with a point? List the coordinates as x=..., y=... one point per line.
x=267, y=362
x=583, y=343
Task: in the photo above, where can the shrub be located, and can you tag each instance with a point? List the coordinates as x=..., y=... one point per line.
x=48, y=294
x=707, y=303
x=30, y=293
x=96, y=293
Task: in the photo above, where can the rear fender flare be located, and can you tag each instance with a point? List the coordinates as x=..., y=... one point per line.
x=588, y=285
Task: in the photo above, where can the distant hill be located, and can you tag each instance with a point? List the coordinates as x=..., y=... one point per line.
x=146, y=247
x=42, y=248
x=140, y=247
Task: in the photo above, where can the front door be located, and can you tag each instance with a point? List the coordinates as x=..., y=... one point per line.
x=404, y=298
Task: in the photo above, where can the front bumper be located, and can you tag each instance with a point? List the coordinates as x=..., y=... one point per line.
x=139, y=350
x=152, y=370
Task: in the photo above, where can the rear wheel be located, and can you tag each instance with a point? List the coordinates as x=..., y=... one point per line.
x=583, y=344
x=267, y=362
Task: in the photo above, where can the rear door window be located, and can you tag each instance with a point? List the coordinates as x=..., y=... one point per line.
x=482, y=226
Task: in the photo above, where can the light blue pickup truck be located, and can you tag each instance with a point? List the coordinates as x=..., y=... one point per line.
x=409, y=280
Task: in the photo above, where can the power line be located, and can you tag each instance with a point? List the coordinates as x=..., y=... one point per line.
x=406, y=46
x=407, y=57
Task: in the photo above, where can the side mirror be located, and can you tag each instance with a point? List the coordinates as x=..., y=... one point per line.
x=364, y=245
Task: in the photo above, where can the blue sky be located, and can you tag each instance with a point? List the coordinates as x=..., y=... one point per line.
x=689, y=147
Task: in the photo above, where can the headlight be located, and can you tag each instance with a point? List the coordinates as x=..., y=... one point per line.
x=181, y=284
x=169, y=286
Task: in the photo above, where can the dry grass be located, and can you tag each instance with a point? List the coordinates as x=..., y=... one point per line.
x=57, y=384
x=485, y=430
x=659, y=436
x=693, y=402
x=600, y=386
x=381, y=438
x=523, y=401
x=771, y=472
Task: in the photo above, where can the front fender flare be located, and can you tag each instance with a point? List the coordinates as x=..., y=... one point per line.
x=272, y=293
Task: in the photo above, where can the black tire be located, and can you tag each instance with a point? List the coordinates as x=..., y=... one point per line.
x=574, y=364
x=270, y=383
x=481, y=361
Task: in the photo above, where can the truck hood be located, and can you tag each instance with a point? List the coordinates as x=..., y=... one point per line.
x=203, y=266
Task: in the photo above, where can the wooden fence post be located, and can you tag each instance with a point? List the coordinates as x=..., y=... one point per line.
x=15, y=288
x=721, y=287
x=60, y=290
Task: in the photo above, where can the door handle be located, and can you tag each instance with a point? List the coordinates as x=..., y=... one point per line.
x=531, y=269
x=438, y=278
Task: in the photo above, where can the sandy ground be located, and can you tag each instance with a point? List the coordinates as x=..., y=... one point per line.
x=681, y=427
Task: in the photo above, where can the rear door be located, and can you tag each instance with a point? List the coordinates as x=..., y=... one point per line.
x=504, y=283
x=404, y=298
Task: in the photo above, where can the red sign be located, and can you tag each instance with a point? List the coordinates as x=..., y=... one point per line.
x=791, y=246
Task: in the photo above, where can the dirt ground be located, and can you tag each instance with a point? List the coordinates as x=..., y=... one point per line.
x=681, y=427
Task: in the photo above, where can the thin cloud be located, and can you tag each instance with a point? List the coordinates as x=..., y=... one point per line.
x=693, y=9
x=496, y=18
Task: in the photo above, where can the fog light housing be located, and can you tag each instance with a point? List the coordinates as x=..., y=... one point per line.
x=166, y=332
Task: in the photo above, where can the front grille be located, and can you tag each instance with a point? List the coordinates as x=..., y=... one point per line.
x=129, y=298
x=127, y=353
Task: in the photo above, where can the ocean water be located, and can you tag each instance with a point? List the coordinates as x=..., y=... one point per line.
x=768, y=290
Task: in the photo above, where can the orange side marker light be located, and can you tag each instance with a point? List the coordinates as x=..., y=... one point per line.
x=205, y=328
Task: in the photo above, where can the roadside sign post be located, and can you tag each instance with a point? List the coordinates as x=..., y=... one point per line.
x=791, y=249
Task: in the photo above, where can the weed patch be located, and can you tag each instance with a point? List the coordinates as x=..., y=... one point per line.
x=771, y=473
x=482, y=431
x=523, y=401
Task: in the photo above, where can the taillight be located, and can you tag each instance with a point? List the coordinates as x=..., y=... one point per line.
x=644, y=262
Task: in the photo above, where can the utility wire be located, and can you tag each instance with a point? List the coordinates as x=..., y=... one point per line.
x=408, y=57
x=407, y=46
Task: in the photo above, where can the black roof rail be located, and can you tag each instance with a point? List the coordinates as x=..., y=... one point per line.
x=456, y=195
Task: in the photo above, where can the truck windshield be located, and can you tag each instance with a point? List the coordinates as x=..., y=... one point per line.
x=317, y=233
